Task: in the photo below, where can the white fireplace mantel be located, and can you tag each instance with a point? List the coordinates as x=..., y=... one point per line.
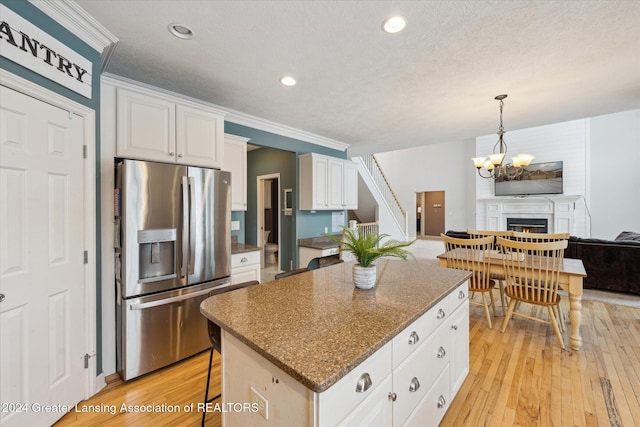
x=558, y=210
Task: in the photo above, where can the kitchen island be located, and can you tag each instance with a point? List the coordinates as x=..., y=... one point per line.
x=312, y=349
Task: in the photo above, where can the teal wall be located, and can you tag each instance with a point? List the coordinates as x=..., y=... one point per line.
x=302, y=223
x=51, y=27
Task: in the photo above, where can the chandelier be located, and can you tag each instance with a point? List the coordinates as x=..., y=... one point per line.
x=493, y=163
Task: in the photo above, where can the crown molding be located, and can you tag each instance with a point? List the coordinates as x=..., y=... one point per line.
x=75, y=19
x=248, y=120
x=151, y=90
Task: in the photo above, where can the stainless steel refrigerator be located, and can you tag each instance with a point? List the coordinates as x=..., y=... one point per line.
x=173, y=247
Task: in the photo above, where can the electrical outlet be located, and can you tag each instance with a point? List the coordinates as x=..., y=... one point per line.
x=235, y=225
x=263, y=404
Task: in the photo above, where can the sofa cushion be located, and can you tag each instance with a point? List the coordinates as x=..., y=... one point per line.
x=628, y=236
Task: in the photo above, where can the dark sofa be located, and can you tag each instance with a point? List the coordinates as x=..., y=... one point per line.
x=611, y=265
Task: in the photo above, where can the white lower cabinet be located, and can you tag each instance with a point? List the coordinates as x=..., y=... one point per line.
x=410, y=381
x=245, y=267
x=375, y=410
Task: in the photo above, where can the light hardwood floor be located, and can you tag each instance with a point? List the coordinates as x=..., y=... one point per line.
x=519, y=378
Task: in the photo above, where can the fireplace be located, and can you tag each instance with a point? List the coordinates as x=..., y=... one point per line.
x=528, y=225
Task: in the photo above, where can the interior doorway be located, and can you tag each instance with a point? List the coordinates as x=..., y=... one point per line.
x=429, y=211
x=268, y=215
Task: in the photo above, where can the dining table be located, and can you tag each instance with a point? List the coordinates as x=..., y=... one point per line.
x=571, y=277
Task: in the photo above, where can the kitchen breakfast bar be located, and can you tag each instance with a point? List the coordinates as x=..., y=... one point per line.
x=312, y=349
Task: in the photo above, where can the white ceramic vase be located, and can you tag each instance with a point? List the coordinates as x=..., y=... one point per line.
x=364, y=277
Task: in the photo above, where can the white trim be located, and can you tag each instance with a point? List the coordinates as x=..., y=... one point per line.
x=243, y=119
x=100, y=382
x=147, y=89
x=84, y=26
x=232, y=116
x=38, y=92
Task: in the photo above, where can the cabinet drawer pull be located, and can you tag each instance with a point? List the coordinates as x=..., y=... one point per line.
x=441, y=402
x=413, y=338
x=171, y=153
x=392, y=396
x=415, y=385
x=180, y=155
x=441, y=314
x=364, y=383
x=454, y=327
x=462, y=295
x=441, y=353
x=244, y=259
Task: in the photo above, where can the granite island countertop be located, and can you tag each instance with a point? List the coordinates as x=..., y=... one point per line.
x=317, y=327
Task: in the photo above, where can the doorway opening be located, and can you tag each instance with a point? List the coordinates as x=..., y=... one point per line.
x=268, y=215
x=429, y=210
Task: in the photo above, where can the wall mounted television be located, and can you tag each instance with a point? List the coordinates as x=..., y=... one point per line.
x=537, y=178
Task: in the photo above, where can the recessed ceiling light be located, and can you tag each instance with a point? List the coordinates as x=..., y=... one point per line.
x=181, y=31
x=395, y=24
x=288, y=81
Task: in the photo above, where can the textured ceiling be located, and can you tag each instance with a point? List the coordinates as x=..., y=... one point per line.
x=434, y=82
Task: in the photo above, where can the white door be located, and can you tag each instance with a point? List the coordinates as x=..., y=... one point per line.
x=42, y=335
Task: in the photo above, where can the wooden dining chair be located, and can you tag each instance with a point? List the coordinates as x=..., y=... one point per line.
x=520, y=236
x=475, y=234
x=473, y=255
x=532, y=271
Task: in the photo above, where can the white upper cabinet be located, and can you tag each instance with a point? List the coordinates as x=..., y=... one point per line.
x=327, y=183
x=235, y=161
x=199, y=137
x=155, y=126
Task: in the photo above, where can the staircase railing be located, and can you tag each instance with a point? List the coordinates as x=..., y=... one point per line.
x=367, y=228
x=380, y=180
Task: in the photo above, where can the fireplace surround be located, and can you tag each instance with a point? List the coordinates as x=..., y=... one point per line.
x=558, y=211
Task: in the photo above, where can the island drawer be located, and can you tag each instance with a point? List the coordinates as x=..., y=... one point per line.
x=243, y=259
x=416, y=374
x=458, y=296
x=434, y=405
x=340, y=399
x=407, y=341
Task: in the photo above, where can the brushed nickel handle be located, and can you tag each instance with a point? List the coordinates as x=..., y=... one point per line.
x=462, y=295
x=454, y=327
x=441, y=402
x=414, y=385
x=171, y=153
x=413, y=338
x=180, y=155
x=441, y=353
x=392, y=396
x=364, y=383
x=244, y=259
x=1, y=297
x=441, y=314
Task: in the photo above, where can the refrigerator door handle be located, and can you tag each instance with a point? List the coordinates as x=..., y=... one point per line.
x=192, y=225
x=185, y=226
x=143, y=305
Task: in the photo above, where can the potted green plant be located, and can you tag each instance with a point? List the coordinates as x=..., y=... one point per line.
x=367, y=247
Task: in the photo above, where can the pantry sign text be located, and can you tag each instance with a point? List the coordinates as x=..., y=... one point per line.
x=27, y=45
